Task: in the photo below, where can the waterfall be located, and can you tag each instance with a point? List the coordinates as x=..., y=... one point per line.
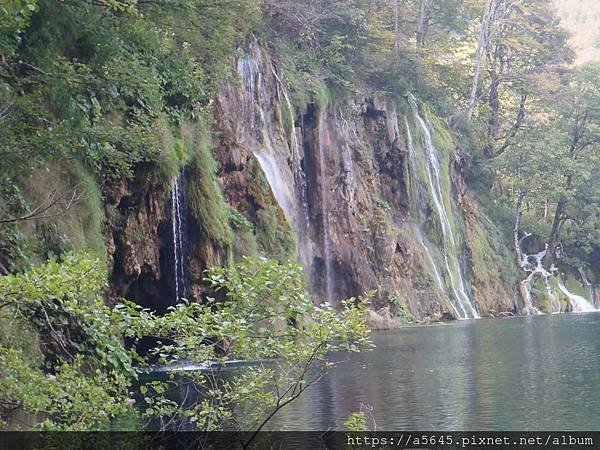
x=284, y=174
x=578, y=303
x=534, y=269
x=329, y=282
x=587, y=283
x=298, y=186
x=432, y=264
x=177, y=218
x=463, y=306
x=347, y=160
x=533, y=264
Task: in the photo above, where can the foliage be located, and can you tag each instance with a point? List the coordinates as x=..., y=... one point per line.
x=561, y=196
x=238, y=221
x=14, y=18
x=99, y=83
x=266, y=316
x=79, y=376
x=356, y=422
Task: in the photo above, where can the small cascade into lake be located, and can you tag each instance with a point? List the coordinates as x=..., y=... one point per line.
x=590, y=287
x=578, y=303
x=425, y=172
x=177, y=221
x=534, y=265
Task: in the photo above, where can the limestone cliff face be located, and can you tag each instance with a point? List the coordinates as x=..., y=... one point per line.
x=339, y=172
x=337, y=176
x=139, y=242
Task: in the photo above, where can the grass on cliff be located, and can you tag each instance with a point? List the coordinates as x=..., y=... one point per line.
x=203, y=192
x=65, y=227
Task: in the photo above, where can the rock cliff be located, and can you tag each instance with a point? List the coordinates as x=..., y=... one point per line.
x=328, y=182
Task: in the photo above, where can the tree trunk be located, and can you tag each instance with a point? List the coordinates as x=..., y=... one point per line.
x=557, y=224
x=517, y=243
x=494, y=104
x=515, y=127
x=482, y=43
x=425, y=7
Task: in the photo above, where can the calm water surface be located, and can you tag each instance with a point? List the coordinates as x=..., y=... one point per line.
x=529, y=373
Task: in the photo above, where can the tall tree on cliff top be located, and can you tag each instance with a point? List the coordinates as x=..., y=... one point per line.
x=529, y=48
x=495, y=13
x=518, y=39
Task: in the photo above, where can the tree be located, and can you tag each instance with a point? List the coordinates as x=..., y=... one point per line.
x=267, y=316
x=496, y=12
x=61, y=353
x=530, y=48
x=550, y=171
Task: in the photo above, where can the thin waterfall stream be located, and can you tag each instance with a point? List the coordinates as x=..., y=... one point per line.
x=578, y=303
x=177, y=217
x=449, y=248
x=285, y=176
x=329, y=282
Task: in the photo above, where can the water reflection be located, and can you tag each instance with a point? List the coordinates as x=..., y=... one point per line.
x=531, y=373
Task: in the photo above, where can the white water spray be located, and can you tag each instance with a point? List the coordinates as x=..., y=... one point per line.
x=533, y=264
x=284, y=174
x=535, y=268
x=178, y=254
x=578, y=303
x=587, y=283
x=464, y=307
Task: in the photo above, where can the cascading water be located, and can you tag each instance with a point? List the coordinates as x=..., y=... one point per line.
x=578, y=303
x=586, y=282
x=329, y=282
x=534, y=265
x=432, y=264
x=285, y=176
x=177, y=218
x=299, y=210
x=430, y=163
x=274, y=165
x=346, y=156
x=536, y=268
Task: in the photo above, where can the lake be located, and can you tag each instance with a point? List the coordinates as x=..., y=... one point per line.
x=522, y=373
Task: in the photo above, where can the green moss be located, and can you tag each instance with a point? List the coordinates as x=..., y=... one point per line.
x=491, y=260
x=75, y=223
x=576, y=287
x=203, y=192
x=245, y=243
x=274, y=235
x=288, y=120
x=89, y=215
x=542, y=300
x=443, y=138
x=320, y=94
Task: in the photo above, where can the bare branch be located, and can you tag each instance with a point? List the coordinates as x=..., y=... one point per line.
x=53, y=200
